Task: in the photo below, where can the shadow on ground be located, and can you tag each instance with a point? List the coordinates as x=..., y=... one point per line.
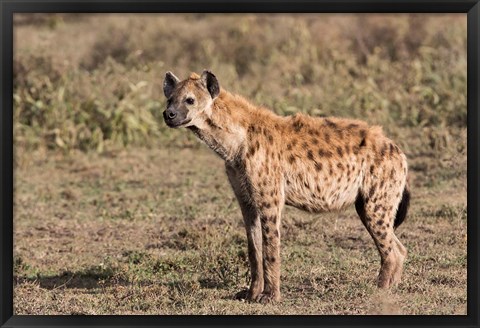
x=91, y=278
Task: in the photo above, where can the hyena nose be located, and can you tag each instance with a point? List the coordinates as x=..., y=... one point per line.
x=169, y=114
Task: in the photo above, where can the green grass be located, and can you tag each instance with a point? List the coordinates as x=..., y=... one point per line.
x=95, y=82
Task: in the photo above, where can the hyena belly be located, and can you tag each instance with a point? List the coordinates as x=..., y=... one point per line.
x=324, y=186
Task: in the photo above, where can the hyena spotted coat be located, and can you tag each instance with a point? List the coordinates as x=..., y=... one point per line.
x=315, y=164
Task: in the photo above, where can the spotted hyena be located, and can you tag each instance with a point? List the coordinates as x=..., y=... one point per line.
x=312, y=163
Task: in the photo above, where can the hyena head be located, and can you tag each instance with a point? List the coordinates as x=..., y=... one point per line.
x=189, y=101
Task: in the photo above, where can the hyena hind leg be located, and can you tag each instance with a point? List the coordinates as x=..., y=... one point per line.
x=379, y=217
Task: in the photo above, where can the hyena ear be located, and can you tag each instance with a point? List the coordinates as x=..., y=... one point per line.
x=169, y=83
x=211, y=83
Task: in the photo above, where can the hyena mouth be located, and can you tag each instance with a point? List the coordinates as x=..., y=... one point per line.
x=177, y=124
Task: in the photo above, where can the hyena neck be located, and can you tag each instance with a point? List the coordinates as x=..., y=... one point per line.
x=224, y=131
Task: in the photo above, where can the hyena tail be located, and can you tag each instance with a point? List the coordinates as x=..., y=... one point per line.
x=402, y=208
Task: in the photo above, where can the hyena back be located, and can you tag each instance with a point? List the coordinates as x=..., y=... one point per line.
x=315, y=164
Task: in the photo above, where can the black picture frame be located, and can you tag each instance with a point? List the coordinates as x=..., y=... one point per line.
x=9, y=7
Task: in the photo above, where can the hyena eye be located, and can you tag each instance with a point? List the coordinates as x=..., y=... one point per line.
x=190, y=101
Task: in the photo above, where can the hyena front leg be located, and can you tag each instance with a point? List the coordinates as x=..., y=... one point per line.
x=270, y=204
x=254, y=234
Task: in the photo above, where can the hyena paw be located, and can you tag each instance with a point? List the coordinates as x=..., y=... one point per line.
x=266, y=298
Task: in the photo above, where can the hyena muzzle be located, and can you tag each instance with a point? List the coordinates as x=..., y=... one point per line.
x=315, y=164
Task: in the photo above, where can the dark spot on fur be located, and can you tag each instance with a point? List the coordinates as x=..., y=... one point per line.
x=330, y=123
x=391, y=149
x=310, y=155
x=289, y=146
x=291, y=159
x=347, y=149
x=251, y=151
x=339, y=151
x=372, y=190
x=355, y=149
x=315, y=141
x=306, y=208
x=318, y=166
x=382, y=183
x=324, y=153
x=380, y=222
x=340, y=166
x=270, y=138
x=371, y=169
x=327, y=137
x=339, y=132
x=383, y=150
x=362, y=134
x=210, y=123
x=297, y=125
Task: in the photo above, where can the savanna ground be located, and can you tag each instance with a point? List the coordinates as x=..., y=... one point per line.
x=116, y=214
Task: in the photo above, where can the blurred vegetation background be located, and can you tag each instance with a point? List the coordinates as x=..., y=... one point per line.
x=94, y=82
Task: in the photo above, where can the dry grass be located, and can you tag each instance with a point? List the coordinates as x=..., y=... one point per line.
x=124, y=233
x=115, y=214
